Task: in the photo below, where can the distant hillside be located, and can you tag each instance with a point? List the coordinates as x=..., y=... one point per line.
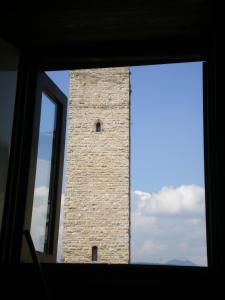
x=178, y=262
x=173, y=262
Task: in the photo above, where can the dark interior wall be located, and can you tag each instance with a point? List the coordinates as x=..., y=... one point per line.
x=98, y=21
x=9, y=59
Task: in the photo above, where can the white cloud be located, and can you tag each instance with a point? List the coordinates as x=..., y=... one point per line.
x=169, y=224
x=39, y=216
x=41, y=191
x=183, y=199
x=38, y=225
x=151, y=247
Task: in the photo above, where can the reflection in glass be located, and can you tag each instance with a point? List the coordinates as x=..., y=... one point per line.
x=41, y=200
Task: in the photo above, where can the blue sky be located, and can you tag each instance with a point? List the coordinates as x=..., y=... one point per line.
x=167, y=126
x=167, y=162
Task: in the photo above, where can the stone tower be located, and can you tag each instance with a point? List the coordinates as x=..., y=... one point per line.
x=97, y=191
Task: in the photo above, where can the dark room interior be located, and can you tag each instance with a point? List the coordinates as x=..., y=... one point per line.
x=86, y=35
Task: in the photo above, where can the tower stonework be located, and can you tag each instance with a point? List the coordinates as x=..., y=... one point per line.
x=97, y=189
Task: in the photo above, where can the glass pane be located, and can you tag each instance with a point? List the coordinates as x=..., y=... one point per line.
x=167, y=172
x=159, y=218
x=41, y=201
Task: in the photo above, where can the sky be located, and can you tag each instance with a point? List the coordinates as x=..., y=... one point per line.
x=43, y=171
x=166, y=126
x=167, y=163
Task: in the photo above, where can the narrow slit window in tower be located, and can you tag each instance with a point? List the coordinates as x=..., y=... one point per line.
x=98, y=127
x=94, y=253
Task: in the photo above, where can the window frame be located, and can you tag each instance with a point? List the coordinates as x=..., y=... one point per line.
x=49, y=88
x=44, y=60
